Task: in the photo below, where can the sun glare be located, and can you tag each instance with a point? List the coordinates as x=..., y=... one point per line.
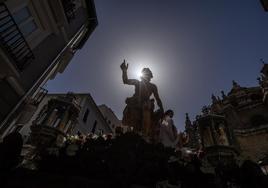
x=139, y=73
x=138, y=66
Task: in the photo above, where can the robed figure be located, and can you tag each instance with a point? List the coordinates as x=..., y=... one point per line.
x=139, y=110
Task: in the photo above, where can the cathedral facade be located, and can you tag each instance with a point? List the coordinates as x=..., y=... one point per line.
x=235, y=125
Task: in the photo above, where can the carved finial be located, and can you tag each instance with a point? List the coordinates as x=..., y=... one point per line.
x=259, y=80
x=214, y=99
x=262, y=61
x=187, y=116
x=188, y=122
x=205, y=110
x=234, y=83
x=223, y=94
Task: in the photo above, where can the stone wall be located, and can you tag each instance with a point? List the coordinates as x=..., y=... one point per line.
x=253, y=142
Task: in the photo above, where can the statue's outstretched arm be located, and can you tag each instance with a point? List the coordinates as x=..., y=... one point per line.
x=125, y=79
x=157, y=98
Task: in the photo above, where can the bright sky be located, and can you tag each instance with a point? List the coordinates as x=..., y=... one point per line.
x=194, y=48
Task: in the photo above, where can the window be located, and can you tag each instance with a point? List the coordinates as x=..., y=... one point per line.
x=25, y=21
x=85, y=116
x=94, y=127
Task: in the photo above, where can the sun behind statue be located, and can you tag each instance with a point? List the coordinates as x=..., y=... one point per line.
x=139, y=111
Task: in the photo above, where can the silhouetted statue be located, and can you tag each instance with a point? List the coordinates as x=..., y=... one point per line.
x=139, y=110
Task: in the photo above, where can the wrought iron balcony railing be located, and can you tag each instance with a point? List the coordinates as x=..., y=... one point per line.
x=12, y=40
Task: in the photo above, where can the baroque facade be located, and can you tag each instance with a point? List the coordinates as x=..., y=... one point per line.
x=82, y=115
x=112, y=120
x=235, y=125
x=54, y=121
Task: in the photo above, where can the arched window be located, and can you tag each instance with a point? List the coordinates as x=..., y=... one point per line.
x=86, y=116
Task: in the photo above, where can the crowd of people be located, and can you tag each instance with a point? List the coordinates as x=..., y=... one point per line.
x=120, y=160
x=124, y=161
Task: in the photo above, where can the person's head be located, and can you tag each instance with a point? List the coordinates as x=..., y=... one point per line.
x=146, y=74
x=169, y=113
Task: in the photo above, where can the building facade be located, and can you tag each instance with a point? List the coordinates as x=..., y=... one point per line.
x=38, y=38
x=112, y=120
x=89, y=118
x=236, y=122
x=55, y=120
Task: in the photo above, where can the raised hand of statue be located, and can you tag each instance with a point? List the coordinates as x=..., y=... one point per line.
x=124, y=66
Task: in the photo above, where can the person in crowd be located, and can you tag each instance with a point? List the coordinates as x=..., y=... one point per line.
x=168, y=131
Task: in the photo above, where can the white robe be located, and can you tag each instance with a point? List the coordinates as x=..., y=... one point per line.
x=167, y=136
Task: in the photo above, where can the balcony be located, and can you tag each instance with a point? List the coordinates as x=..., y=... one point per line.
x=12, y=39
x=69, y=9
x=38, y=98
